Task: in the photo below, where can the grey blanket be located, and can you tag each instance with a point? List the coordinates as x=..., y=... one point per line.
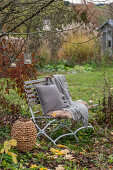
x=79, y=111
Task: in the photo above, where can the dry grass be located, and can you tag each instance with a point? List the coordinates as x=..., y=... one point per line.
x=81, y=45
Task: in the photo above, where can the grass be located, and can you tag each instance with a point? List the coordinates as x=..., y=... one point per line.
x=94, y=151
x=86, y=86
x=89, y=86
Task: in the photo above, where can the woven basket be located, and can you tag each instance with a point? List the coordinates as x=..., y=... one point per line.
x=24, y=131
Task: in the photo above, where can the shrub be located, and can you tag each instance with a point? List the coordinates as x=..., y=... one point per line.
x=105, y=112
x=13, y=111
x=77, y=48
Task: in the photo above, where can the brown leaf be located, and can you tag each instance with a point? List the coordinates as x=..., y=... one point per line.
x=38, y=145
x=69, y=157
x=60, y=167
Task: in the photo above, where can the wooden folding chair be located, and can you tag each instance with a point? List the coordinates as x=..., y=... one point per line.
x=53, y=120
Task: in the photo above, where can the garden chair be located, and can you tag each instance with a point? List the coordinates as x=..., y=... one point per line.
x=52, y=118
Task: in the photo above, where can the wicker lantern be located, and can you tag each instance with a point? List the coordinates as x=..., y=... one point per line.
x=24, y=131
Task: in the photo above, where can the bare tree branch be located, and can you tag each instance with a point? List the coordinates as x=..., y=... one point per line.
x=28, y=18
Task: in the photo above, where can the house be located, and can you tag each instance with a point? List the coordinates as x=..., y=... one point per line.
x=106, y=38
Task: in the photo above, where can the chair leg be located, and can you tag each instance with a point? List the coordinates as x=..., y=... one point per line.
x=62, y=124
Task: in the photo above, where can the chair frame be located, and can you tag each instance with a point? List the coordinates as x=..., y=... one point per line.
x=33, y=99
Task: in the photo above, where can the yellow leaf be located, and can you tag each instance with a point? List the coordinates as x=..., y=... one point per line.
x=7, y=146
x=13, y=142
x=43, y=168
x=7, y=149
x=59, y=153
x=54, y=114
x=6, y=143
x=14, y=157
x=56, y=150
x=61, y=146
x=84, y=150
x=53, y=150
x=2, y=150
x=10, y=153
x=33, y=166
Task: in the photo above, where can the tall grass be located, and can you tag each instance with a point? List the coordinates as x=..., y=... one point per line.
x=80, y=46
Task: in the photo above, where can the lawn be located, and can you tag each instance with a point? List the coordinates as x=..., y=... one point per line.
x=89, y=86
x=95, y=148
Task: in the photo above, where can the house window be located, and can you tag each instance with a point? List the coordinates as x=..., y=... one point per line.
x=109, y=43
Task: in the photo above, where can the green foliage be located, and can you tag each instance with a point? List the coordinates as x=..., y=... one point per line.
x=86, y=68
x=54, y=67
x=64, y=66
x=41, y=61
x=110, y=159
x=4, y=133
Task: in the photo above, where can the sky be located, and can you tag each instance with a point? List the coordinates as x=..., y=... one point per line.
x=94, y=1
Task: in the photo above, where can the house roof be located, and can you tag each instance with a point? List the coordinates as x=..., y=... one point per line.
x=109, y=22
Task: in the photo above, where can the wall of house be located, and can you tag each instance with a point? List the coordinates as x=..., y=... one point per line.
x=107, y=39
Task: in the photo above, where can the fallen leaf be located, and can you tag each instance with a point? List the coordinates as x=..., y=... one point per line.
x=7, y=146
x=58, y=152
x=69, y=157
x=38, y=145
x=54, y=150
x=13, y=142
x=14, y=157
x=62, y=146
x=60, y=167
x=53, y=156
x=33, y=166
x=2, y=150
x=6, y=143
x=65, y=151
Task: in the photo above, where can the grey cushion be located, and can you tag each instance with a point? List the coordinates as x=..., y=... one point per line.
x=50, y=97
